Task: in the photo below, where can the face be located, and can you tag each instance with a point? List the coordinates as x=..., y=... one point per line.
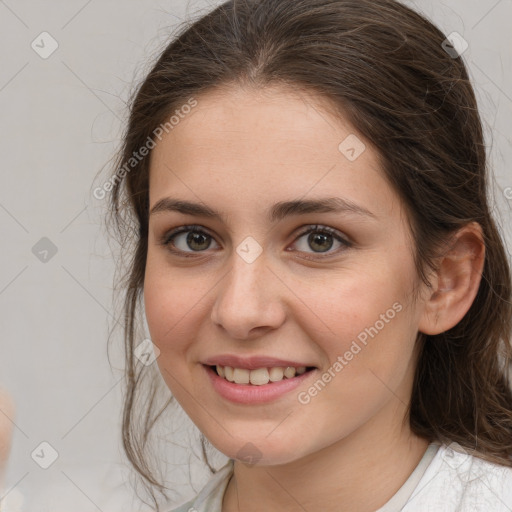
x=323, y=287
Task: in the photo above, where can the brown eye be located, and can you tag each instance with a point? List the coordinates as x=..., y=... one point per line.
x=320, y=240
x=197, y=241
x=187, y=239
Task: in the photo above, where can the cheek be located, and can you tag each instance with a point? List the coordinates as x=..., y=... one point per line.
x=367, y=321
x=170, y=305
x=369, y=346
x=350, y=304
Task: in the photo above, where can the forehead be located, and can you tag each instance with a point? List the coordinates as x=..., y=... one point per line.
x=261, y=144
x=237, y=117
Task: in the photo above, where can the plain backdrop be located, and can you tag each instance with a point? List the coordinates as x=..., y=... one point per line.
x=61, y=121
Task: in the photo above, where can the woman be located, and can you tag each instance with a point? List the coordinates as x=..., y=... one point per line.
x=324, y=284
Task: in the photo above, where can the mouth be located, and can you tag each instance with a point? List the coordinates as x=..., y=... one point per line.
x=259, y=376
x=253, y=387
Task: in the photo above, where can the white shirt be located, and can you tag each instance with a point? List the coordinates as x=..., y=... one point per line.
x=447, y=479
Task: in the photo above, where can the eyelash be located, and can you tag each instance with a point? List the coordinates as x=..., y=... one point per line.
x=168, y=237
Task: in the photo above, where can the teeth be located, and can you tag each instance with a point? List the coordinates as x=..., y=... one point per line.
x=260, y=376
x=228, y=373
x=241, y=376
x=289, y=372
x=276, y=374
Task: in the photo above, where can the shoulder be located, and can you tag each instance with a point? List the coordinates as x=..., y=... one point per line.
x=210, y=497
x=456, y=480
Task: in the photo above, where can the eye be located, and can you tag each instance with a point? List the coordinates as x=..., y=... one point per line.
x=320, y=239
x=187, y=240
x=182, y=239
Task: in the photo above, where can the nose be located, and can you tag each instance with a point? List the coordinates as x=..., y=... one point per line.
x=248, y=301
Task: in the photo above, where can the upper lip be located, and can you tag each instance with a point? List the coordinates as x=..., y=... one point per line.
x=251, y=363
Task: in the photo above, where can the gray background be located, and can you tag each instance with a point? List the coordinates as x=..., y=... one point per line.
x=61, y=121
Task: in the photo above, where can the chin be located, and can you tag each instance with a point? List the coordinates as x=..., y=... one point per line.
x=260, y=450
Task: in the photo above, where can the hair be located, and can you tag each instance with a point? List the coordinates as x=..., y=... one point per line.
x=383, y=66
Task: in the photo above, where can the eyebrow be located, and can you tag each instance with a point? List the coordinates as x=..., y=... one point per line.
x=278, y=211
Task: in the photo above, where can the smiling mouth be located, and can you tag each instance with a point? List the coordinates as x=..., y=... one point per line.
x=260, y=376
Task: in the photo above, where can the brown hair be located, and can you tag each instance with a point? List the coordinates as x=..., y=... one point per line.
x=385, y=67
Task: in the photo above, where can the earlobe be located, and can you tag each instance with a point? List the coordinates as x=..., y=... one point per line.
x=456, y=281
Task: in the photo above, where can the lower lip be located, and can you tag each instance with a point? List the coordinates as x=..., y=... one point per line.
x=251, y=394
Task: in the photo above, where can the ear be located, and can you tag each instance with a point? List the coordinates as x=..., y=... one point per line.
x=455, y=282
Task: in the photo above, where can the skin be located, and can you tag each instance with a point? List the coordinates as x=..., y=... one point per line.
x=240, y=151
x=7, y=412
